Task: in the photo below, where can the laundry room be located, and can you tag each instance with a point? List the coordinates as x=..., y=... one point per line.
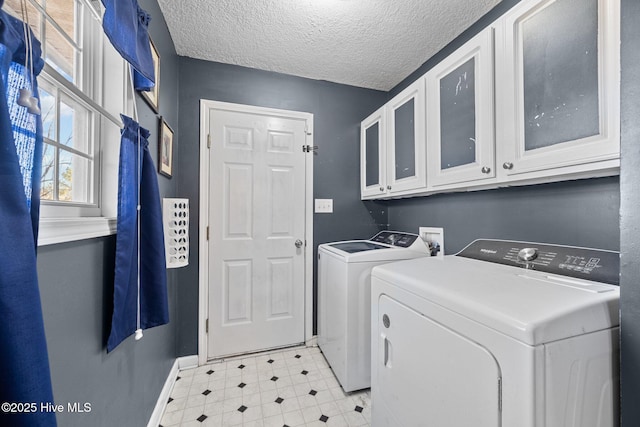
x=309, y=142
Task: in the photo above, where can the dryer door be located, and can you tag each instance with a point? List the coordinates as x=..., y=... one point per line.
x=429, y=375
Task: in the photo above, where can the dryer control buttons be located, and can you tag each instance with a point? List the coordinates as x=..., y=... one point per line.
x=385, y=321
x=528, y=254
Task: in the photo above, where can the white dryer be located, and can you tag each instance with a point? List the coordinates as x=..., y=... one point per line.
x=344, y=299
x=504, y=334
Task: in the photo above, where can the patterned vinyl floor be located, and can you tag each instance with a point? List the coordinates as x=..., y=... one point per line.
x=292, y=387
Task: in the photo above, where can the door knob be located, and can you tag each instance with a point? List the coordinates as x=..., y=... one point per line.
x=298, y=243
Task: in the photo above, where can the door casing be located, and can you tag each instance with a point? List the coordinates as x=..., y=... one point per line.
x=203, y=246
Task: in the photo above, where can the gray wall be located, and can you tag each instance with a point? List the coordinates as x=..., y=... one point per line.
x=561, y=213
x=337, y=110
x=630, y=215
x=76, y=284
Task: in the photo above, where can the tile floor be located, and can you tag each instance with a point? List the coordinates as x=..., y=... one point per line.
x=292, y=387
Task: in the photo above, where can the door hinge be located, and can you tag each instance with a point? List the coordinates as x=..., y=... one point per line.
x=207, y=232
x=309, y=148
x=499, y=394
x=206, y=326
x=208, y=140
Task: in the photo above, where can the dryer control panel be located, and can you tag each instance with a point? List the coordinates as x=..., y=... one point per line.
x=584, y=263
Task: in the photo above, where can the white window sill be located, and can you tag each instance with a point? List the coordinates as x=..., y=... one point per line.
x=60, y=230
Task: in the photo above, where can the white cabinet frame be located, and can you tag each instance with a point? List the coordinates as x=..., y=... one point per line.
x=419, y=180
x=387, y=184
x=378, y=189
x=514, y=162
x=480, y=48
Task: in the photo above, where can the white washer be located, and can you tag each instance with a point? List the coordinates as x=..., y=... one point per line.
x=504, y=334
x=344, y=299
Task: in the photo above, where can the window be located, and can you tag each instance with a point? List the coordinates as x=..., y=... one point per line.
x=82, y=91
x=68, y=163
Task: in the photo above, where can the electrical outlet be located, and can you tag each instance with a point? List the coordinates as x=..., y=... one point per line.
x=434, y=237
x=324, y=206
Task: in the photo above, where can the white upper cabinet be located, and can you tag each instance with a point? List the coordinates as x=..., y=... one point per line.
x=406, y=168
x=392, y=146
x=558, y=94
x=372, y=156
x=460, y=137
x=534, y=97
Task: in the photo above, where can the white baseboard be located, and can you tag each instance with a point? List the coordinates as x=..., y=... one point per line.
x=179, y=364
x=187, y=362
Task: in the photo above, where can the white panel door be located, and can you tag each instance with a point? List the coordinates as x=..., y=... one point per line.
x=257, y=229
x=428, y=375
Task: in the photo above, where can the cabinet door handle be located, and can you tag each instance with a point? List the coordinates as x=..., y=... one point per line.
x=388, y=187
x=507, y=165
x=381, y=188
x=485, y=169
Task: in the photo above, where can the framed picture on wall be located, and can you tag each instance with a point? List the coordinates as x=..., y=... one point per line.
x=153, y=97
x=165, y=149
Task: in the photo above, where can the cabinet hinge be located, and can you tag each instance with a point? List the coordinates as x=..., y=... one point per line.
x=206, y=326
x=499, y=394
x=207, y=232
x=309, y=148
x=208, y=140
x=306, y=130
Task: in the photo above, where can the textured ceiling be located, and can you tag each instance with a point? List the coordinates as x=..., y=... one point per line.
x=367, y=43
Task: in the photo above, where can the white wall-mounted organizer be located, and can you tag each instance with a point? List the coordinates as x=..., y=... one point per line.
x=175, y=214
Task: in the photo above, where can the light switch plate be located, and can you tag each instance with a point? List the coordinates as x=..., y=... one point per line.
x=324, y=206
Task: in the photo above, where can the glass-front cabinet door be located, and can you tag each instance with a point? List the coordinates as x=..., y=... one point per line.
x=559, y=85
x=406, y=161
x=372, y=156
x=460, y=127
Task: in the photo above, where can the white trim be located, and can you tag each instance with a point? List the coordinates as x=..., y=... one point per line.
x=180, y=364
x=312, y=342
x=203, y=257
x=309, y=204
x=161, y=403
x=187, y=362
x=60, y=230
x=203, y=253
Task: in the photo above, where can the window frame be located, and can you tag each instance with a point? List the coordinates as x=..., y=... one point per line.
x=105, y=95
x=58, y=208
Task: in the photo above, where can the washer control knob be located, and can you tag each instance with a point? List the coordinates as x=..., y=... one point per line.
x=528, y=254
